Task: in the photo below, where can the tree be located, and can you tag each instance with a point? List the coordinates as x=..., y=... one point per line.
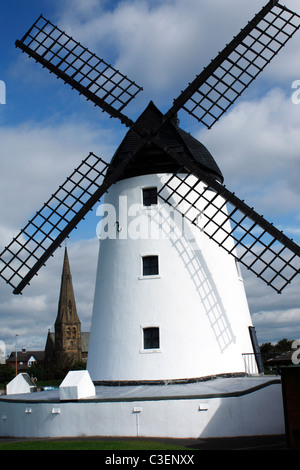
x=37, y=371
x=7, y=373
x=283, y=345
x=63, y=363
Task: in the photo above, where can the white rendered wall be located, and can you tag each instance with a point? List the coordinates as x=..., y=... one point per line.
x=197, y=301
x=20, y=384
x=76, y=385
x=253, y=414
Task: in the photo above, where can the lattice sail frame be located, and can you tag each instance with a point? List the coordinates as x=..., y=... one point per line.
x=223, y=81
x=82, y=69
x=235, y=227
x=35, y=243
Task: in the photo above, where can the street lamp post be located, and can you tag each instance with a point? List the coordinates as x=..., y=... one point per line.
x=16, y=355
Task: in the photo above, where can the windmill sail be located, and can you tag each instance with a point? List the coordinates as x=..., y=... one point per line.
x=76, y=65
x=232, y=224
x=256, y=243
x=51, y=225
x=221, y=83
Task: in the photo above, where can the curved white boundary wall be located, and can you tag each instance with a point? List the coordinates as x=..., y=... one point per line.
x=259, y=412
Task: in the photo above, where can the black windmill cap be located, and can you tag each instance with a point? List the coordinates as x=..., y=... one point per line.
x=150, y=159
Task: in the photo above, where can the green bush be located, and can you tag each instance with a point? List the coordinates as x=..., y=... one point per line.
x=7, y=373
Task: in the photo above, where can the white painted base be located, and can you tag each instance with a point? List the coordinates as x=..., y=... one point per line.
x=217, y=408
x=76, y=385
x=20, y=384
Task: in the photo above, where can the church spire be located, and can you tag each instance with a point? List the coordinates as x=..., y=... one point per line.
x=67, y=311
x=67, y=324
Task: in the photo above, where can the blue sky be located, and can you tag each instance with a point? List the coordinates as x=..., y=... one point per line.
x=46, y=129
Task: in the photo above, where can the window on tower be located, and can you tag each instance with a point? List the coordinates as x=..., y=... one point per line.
x=150, y=265
x=149, y=196
x=151, y=338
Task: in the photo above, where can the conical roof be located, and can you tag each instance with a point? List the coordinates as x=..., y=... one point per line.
x=150, y=159
x=67, y=312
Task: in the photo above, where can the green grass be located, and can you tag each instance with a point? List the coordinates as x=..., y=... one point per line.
x=88, y=445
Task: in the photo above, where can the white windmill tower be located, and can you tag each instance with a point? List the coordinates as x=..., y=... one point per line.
x=169, y=305
x=178, y=309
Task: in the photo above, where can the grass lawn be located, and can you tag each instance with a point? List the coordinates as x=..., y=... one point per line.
x=88, y=445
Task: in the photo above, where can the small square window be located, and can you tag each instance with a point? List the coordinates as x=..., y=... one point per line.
x=151, y=338
x=149, y=196
x=150, y=265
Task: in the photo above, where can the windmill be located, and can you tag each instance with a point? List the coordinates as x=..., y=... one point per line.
x=168, y=167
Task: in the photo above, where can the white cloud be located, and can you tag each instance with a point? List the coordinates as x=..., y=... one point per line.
x=163, y=44
x=278, y=317
x=275, y=316
x=36, y=158
x=278, y=324
x=33, y=313
x=257, y=147
x=160, y=44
